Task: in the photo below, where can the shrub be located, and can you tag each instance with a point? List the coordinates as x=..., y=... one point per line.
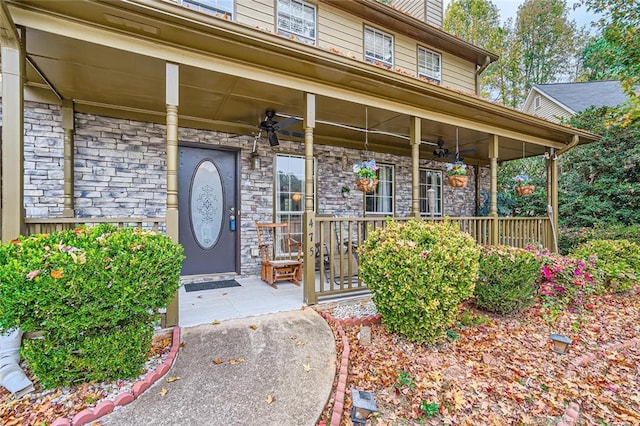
x=93, y=292
x=506, y=279
x=565, y=281
x=570, y=238
x=619, y=261
x=418, y=273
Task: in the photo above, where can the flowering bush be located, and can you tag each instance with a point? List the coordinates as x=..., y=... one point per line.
x=565, y=281
x=522, y=180
x=366, y=169
x=457, y=169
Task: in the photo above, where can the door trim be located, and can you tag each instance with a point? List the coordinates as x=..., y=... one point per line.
x=238, y=195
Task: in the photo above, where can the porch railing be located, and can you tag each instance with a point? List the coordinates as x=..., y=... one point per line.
x=337, y=241
x=49, y=225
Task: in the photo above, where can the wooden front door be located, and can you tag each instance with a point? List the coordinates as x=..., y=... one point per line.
x=208, y=200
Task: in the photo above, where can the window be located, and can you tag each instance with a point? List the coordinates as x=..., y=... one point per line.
x=430, y=179
x=378, y=47
x=297, y=19
x=381, y=201
x=212, y=7
x=289, y=188
x=429, y=64
x=537, y=102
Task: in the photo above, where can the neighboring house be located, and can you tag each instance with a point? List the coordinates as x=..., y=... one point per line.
x=155, y=112
x=560, y=101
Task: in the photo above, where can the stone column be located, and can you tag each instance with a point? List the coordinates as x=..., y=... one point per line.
x=12, y=139
x=172, y=97
x=493, y=206
x=416, y=136
x=68, y=127
x=308, y=227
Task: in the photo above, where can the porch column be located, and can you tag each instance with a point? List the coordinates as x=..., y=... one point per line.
x=416, y=136
x=172, y=84
x=553, y=169
x=308, y=227
x=68, y=127
x=13, y=60
x=493, y=193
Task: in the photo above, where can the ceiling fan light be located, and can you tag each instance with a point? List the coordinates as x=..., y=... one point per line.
x=273, y=139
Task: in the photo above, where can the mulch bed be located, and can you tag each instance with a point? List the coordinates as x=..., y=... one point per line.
x=44, y=407
x=504, y=371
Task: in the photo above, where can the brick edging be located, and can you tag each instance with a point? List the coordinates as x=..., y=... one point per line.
x=341, y=387
x=105, y=407
x=572, y=413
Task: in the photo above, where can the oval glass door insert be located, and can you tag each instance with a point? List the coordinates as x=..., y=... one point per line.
x=206, y=202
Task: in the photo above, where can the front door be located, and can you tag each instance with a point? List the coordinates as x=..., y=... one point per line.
x=208, y=204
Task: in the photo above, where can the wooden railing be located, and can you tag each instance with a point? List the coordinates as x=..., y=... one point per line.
x=337, y=241
x=49, y=225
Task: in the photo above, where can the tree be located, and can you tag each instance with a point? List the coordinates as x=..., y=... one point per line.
x=616, y=52
x=478, y=22
x=547, y=40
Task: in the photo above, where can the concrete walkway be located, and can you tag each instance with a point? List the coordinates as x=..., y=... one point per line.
x=290, y=357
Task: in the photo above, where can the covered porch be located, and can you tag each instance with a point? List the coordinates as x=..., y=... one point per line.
x=172, y=74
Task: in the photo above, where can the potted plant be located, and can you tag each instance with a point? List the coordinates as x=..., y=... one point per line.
x=523, y=185
x=366, y=176
x=457, y=174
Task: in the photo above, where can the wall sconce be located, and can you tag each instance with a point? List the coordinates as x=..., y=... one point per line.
x=296, y=196
x=344, y=161
x=560, y=343
x=255, y=160
x=363, y=406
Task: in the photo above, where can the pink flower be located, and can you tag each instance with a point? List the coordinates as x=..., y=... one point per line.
x=546, y=272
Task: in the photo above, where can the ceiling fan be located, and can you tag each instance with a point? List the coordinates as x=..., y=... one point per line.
x=272, y=127
x=442, y=152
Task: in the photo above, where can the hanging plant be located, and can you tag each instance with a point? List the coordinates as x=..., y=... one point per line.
x=457, y=174
x=366, y=176
x=523, y=185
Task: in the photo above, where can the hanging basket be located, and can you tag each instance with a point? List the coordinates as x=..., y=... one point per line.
x=525, y=190
x=458, y=181
x=366, y=184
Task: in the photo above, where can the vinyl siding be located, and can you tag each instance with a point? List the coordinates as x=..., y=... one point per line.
x=434, y=12
x=548, y=109
x=256, y=13
x=415, y=8
x=406, y=54
x=337, y=29
x=458, y=73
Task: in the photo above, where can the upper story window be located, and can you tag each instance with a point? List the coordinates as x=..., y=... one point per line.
x=381, y=201
x=297, y=19
x=430, y=192
x=212, y=7
x=537, y=102
x=378, y=47
x=429, y=64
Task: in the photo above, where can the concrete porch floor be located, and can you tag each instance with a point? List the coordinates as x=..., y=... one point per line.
x=253, y=297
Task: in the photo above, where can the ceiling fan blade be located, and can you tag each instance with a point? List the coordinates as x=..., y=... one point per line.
x=288, y=122
x=291, y=134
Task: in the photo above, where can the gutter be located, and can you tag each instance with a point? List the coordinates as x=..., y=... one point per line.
x=574, y=141
x=487, y=61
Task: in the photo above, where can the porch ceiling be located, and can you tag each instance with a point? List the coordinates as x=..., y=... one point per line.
x=107, y=80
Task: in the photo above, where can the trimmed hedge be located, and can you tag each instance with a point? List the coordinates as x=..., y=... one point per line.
x=94, y=293
x=418, y=273
x=506, y=279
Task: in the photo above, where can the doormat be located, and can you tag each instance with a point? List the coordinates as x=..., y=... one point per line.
x=211, y=285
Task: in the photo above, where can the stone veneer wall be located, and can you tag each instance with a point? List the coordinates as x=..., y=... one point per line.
x=120, y=172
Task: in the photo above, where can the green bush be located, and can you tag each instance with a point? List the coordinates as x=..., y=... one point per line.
x=618, y=260
x=418, y=273
x=570, y=238
x=93, y=292
x=506, y=279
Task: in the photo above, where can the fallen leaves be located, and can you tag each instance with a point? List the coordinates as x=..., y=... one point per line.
x=163, y=392
x=504, y=372
x=253, y=327
x=172, y=379
x=235, y=361
x=270, y=399
x=307, y=367
x=215, y=322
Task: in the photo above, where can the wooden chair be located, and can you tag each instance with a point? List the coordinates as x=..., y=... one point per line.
x=280, y=254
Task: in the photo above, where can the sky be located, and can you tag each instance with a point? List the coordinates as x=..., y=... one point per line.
x=509, y=8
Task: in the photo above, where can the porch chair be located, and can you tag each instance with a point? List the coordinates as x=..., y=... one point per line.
x=280, y=255
x=338, y=253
